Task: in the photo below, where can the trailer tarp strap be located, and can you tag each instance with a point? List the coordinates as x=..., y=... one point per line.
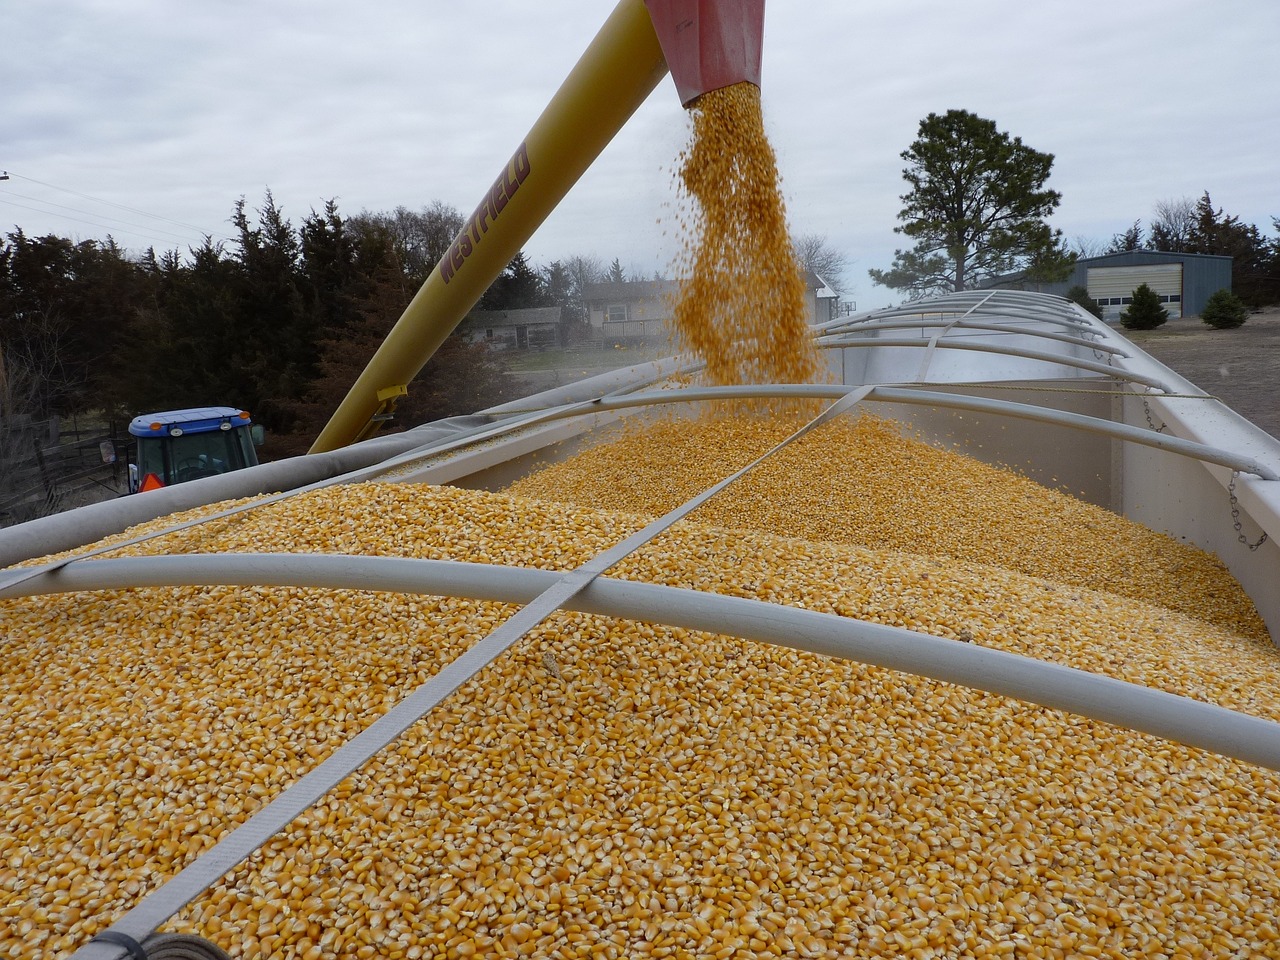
x=196, y=878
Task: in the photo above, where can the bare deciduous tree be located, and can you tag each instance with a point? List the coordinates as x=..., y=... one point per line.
x=421, y=237
x=815, y=253
x=1086, y=247
x=1172, y=224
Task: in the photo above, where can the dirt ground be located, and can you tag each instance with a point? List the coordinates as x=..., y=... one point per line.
x=1240, y=367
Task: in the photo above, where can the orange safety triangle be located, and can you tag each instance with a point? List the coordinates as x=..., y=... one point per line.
x=150, y=482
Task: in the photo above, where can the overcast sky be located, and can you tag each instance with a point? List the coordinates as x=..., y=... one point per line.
x=148, y=120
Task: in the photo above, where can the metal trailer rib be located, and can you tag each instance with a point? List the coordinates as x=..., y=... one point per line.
x=619, y=401
x=835, y=337
x=1119, y=431
x=850, y=341
x=867, y=321
x=935, y=398
x=1173, y=717
x=943, y=312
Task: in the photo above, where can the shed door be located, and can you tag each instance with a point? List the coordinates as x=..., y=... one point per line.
x=1112, y=287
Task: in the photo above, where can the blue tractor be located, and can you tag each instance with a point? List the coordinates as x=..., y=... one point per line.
x=175, y=446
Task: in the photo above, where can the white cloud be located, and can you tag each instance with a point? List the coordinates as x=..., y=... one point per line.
x=180, y=110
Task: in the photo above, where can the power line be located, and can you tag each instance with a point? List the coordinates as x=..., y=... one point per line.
x=112, y=203
x=5, y=198
x=147, y=238
x=114, y=224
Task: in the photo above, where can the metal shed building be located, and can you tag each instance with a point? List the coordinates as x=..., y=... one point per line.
x=1184, y=281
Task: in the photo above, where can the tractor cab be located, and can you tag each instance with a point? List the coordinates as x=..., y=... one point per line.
x=175, y=446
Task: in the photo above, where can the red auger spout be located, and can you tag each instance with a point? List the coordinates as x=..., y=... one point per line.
x=709, y=44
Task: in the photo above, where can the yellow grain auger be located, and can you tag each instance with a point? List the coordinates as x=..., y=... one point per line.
x=706, y=44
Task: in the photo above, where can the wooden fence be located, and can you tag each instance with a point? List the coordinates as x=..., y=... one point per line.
x=47, y=466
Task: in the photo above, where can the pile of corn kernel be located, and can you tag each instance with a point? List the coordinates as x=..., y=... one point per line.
x=863, y=481
x=616, y=789
x=741, y=304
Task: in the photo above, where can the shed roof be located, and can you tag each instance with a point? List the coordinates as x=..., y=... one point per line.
x=824, y=290
x=1146, y=256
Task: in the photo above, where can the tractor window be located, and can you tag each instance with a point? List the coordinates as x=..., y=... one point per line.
x=195, y=455
x=151, y=458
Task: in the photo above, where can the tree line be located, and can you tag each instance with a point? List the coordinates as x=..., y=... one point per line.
x=282, y=319
x=1183, y=225
x=279, y=321
x=978, y=205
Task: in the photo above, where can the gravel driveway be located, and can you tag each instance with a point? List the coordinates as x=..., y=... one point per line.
x=1240, y=367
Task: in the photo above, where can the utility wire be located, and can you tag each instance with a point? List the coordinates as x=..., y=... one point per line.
x=5, y=198
x=151, y=232
x=112, y=203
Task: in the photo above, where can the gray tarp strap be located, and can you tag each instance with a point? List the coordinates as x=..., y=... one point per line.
x=199, y=876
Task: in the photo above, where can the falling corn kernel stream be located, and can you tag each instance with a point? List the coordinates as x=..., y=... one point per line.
x=741, y=304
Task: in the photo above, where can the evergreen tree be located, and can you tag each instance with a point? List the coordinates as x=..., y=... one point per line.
x=115, y=288
x=557, y=284
x=1224, y=311
x=1269, y=280
x=1080, y=295
x=1128, y=241
x=1145, y=312
x=197, y=336
x=1047, y=260
x=279, y=336
x=65, y=312
x=329, y=265
x=1214, y=232
x=517, y=287
x=461, y=378
x=342, y=261
x=976, y=208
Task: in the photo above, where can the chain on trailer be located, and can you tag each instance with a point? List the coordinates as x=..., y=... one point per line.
x=1235, y=516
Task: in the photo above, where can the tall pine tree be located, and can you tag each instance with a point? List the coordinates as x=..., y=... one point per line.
x=976, y=208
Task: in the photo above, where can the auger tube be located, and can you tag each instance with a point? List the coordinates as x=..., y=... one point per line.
x=709, y=44
x=617, y=72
